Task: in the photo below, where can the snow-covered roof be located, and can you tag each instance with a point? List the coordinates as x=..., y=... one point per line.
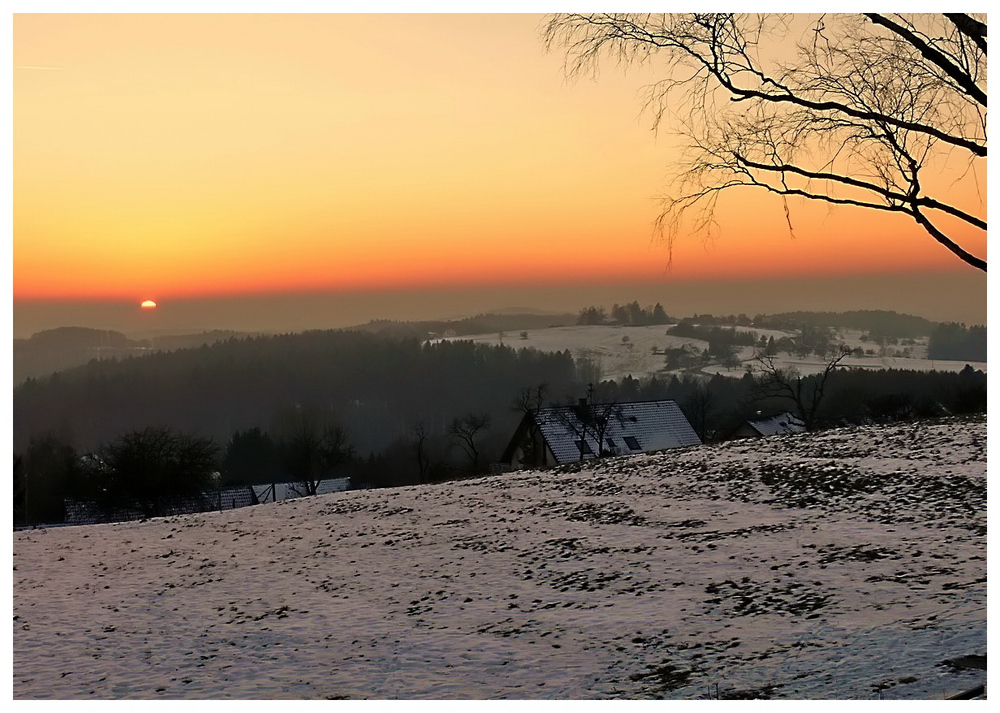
x=781, y=423
x=635, y=427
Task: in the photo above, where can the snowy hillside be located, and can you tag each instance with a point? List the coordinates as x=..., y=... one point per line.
x=840, y=564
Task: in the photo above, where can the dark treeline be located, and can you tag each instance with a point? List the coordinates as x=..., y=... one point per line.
x=631, y=315
x=877, y=323
x=58, y=349
x=719, y=339
x=956, y=342
x=718, y=406
x=380, y=388
x=292, y=408
x=480, y=324
x=65, y=347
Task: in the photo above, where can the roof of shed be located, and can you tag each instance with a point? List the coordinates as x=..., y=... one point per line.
x=780, y=423
x=295, y=490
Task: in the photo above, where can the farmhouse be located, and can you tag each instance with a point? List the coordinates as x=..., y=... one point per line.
x=562, y=434
x=782, y=423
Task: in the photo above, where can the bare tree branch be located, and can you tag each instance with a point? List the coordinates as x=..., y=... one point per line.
x=932, y=54
x=866, y=108
x=971, y=28
x=464, y=431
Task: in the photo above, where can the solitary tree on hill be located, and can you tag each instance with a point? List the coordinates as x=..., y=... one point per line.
x=864, y=113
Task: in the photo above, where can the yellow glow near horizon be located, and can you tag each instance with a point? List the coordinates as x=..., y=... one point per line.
x=229, y=154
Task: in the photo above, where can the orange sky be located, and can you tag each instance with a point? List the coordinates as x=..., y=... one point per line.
x=187, y=155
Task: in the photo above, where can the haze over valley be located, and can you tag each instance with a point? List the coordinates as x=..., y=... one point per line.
x=918, y=294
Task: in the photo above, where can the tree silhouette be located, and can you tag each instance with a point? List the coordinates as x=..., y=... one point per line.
x=527, y=402
x=805, y=392
x=699, y=408
x=251, y=458
x=420, y=446
x=586, y=418
x=151, y=469
x=463, y=432
x=868, y=109
x=49, y=473
x=310, y=444
x=20, y=491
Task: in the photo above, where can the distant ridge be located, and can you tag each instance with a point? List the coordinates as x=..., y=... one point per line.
x=881, y=321
x=479, y=324
x=53, y=350
x=522, y=310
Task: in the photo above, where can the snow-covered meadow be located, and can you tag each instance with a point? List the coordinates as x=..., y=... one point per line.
x=634, y=356
x=841, y=564
x=601, y=344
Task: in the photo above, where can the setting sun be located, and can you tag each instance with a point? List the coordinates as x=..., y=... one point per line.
x=148, y=304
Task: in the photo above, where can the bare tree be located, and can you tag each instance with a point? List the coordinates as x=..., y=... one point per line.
x=310, y=444
x=151, y=469
x=423, y=462
x=528, y=402
x=700, y=409
x=868, y=109
x=586, y=418
x=806, y=392
x=600, y=417
x=463, y=432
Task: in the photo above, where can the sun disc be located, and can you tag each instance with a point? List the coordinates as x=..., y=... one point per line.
x=148, y=304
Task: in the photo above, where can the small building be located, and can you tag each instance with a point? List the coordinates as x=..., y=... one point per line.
x=783, y=423
x=563, y=434
x=284, y=491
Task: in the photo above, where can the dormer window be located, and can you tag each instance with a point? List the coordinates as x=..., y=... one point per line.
x=632, y=443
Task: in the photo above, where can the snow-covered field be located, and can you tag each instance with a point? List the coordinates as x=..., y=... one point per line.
x=815, y=365
x=840, y=564
x=603, y=344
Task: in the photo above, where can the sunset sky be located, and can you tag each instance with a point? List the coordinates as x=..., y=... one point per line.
x=189, y=156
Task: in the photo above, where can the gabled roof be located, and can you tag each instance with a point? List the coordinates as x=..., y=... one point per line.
x=635, y=427
x=781, y=423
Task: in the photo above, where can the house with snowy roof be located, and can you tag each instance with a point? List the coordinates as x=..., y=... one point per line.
x=563, y=434
x=783, y=423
